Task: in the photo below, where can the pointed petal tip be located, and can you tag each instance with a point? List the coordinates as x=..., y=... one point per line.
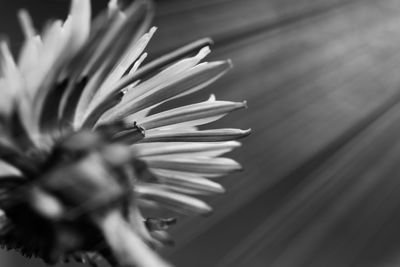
x=207, y=41
x=237, y=167
x=241, y=105
x=247, y=132
x=113, y=3
x=25, y=21
x=203, y=52
x=214, y=188
x=243, y=133
x=223, y=66
x=171, y=221
x=152, y=30
x=234, y=144
x=208, y=213
x=230, y=63
x=220, y=190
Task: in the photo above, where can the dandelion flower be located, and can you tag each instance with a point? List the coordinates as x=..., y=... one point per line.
x=81, y=150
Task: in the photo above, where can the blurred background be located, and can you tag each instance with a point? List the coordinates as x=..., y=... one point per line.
x=321, y=184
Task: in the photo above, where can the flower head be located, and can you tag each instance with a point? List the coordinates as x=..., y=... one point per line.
x=81, y=150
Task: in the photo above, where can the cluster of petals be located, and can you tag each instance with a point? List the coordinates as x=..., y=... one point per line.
x=83, y=147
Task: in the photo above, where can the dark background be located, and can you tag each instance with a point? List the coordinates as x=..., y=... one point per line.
x=322, y=80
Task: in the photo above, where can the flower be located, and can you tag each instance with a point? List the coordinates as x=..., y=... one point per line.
x=82, y=151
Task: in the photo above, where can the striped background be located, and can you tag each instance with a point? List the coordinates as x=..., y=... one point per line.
x=321, y=185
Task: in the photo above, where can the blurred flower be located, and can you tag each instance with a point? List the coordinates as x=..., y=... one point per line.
x=81, y=153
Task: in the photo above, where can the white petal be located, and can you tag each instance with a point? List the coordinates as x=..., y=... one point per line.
x=184, y=148
x=194, y=164
x=183, y=65
x=131, y=55
x=168, y=75
x=8, y=170
x=207, y=175
x=80, y=23
x=183, y=135
x=191, y=115
x=176, y=201
x=188, y=184
x=194, y=79
x=26, y=24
